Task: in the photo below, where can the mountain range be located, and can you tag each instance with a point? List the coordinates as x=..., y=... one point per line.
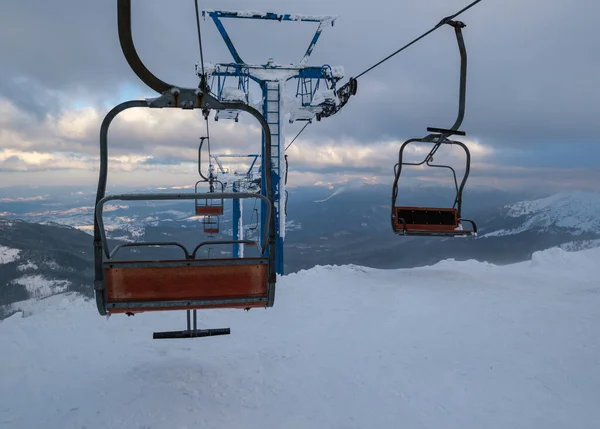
x=46, y=243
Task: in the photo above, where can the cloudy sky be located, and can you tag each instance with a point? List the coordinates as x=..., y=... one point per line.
x=533, y=94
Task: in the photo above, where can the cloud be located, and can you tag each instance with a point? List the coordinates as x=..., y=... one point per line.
x=22, y=199
x=144, y=143
x=531, y=114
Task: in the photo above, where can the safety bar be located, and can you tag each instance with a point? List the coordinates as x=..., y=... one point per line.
x=163, y=197
x=437, y=141
x=182, y=247
x=150, y=244
x=213, y=243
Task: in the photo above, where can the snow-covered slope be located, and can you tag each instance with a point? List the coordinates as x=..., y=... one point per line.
x=37, y=261
x=577, y=212
x=8, y=255
x=457, y=345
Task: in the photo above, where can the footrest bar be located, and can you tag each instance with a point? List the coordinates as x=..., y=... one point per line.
x=191, y=333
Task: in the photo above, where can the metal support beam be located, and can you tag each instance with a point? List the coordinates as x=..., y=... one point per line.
x=238, y=233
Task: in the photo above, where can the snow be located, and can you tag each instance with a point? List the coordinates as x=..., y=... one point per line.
x=458, y=345
x=338, y=71
x=573, y=246
x=258, y=14
x=40, y=287
x=291, y=225
x=333, y=194
x=53, y=265
x=8, y=255
x=233, y=94
x=323, y=95
x=577, y=211
x=28, y=266
x=21, y=199
x=323, y=18
x=272, y=74
x=5, y=223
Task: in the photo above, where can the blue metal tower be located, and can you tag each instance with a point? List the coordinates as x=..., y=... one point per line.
x=311, y=98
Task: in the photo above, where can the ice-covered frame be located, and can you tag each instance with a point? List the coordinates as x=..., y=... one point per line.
x=216, y=16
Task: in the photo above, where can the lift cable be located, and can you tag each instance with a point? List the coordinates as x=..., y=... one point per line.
x=441, y=23
x=199, y=36
x=297, y=135
x=203, y=87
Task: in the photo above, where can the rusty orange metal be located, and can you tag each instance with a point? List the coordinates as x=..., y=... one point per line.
x=209, y=210
x=131, y=284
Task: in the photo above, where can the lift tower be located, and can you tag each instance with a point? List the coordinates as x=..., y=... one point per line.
x=315, y=92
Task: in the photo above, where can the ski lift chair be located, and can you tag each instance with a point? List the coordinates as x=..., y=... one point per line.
x=183, y=283
x=214, y=205
x=254, y=227
x=211, y=224
x=187, y=282
x=437, y=221
x=431, y=221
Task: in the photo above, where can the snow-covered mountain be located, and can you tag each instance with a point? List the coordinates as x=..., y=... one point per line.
x=126, y=222
x=574, y=212
x=38, y=261
x=121, y=223
x=347, y=225
x=457, y=345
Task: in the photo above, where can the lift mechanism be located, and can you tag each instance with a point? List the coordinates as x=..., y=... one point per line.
x=187, y=283
x=434, y=221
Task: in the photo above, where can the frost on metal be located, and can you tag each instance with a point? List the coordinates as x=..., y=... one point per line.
x=326, y=19
x=337, y=72
x=233, y=94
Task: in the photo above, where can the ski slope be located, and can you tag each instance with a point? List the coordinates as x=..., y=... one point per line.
x=457, y=345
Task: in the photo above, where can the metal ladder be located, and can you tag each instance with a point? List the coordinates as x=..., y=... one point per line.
x=273, y=117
